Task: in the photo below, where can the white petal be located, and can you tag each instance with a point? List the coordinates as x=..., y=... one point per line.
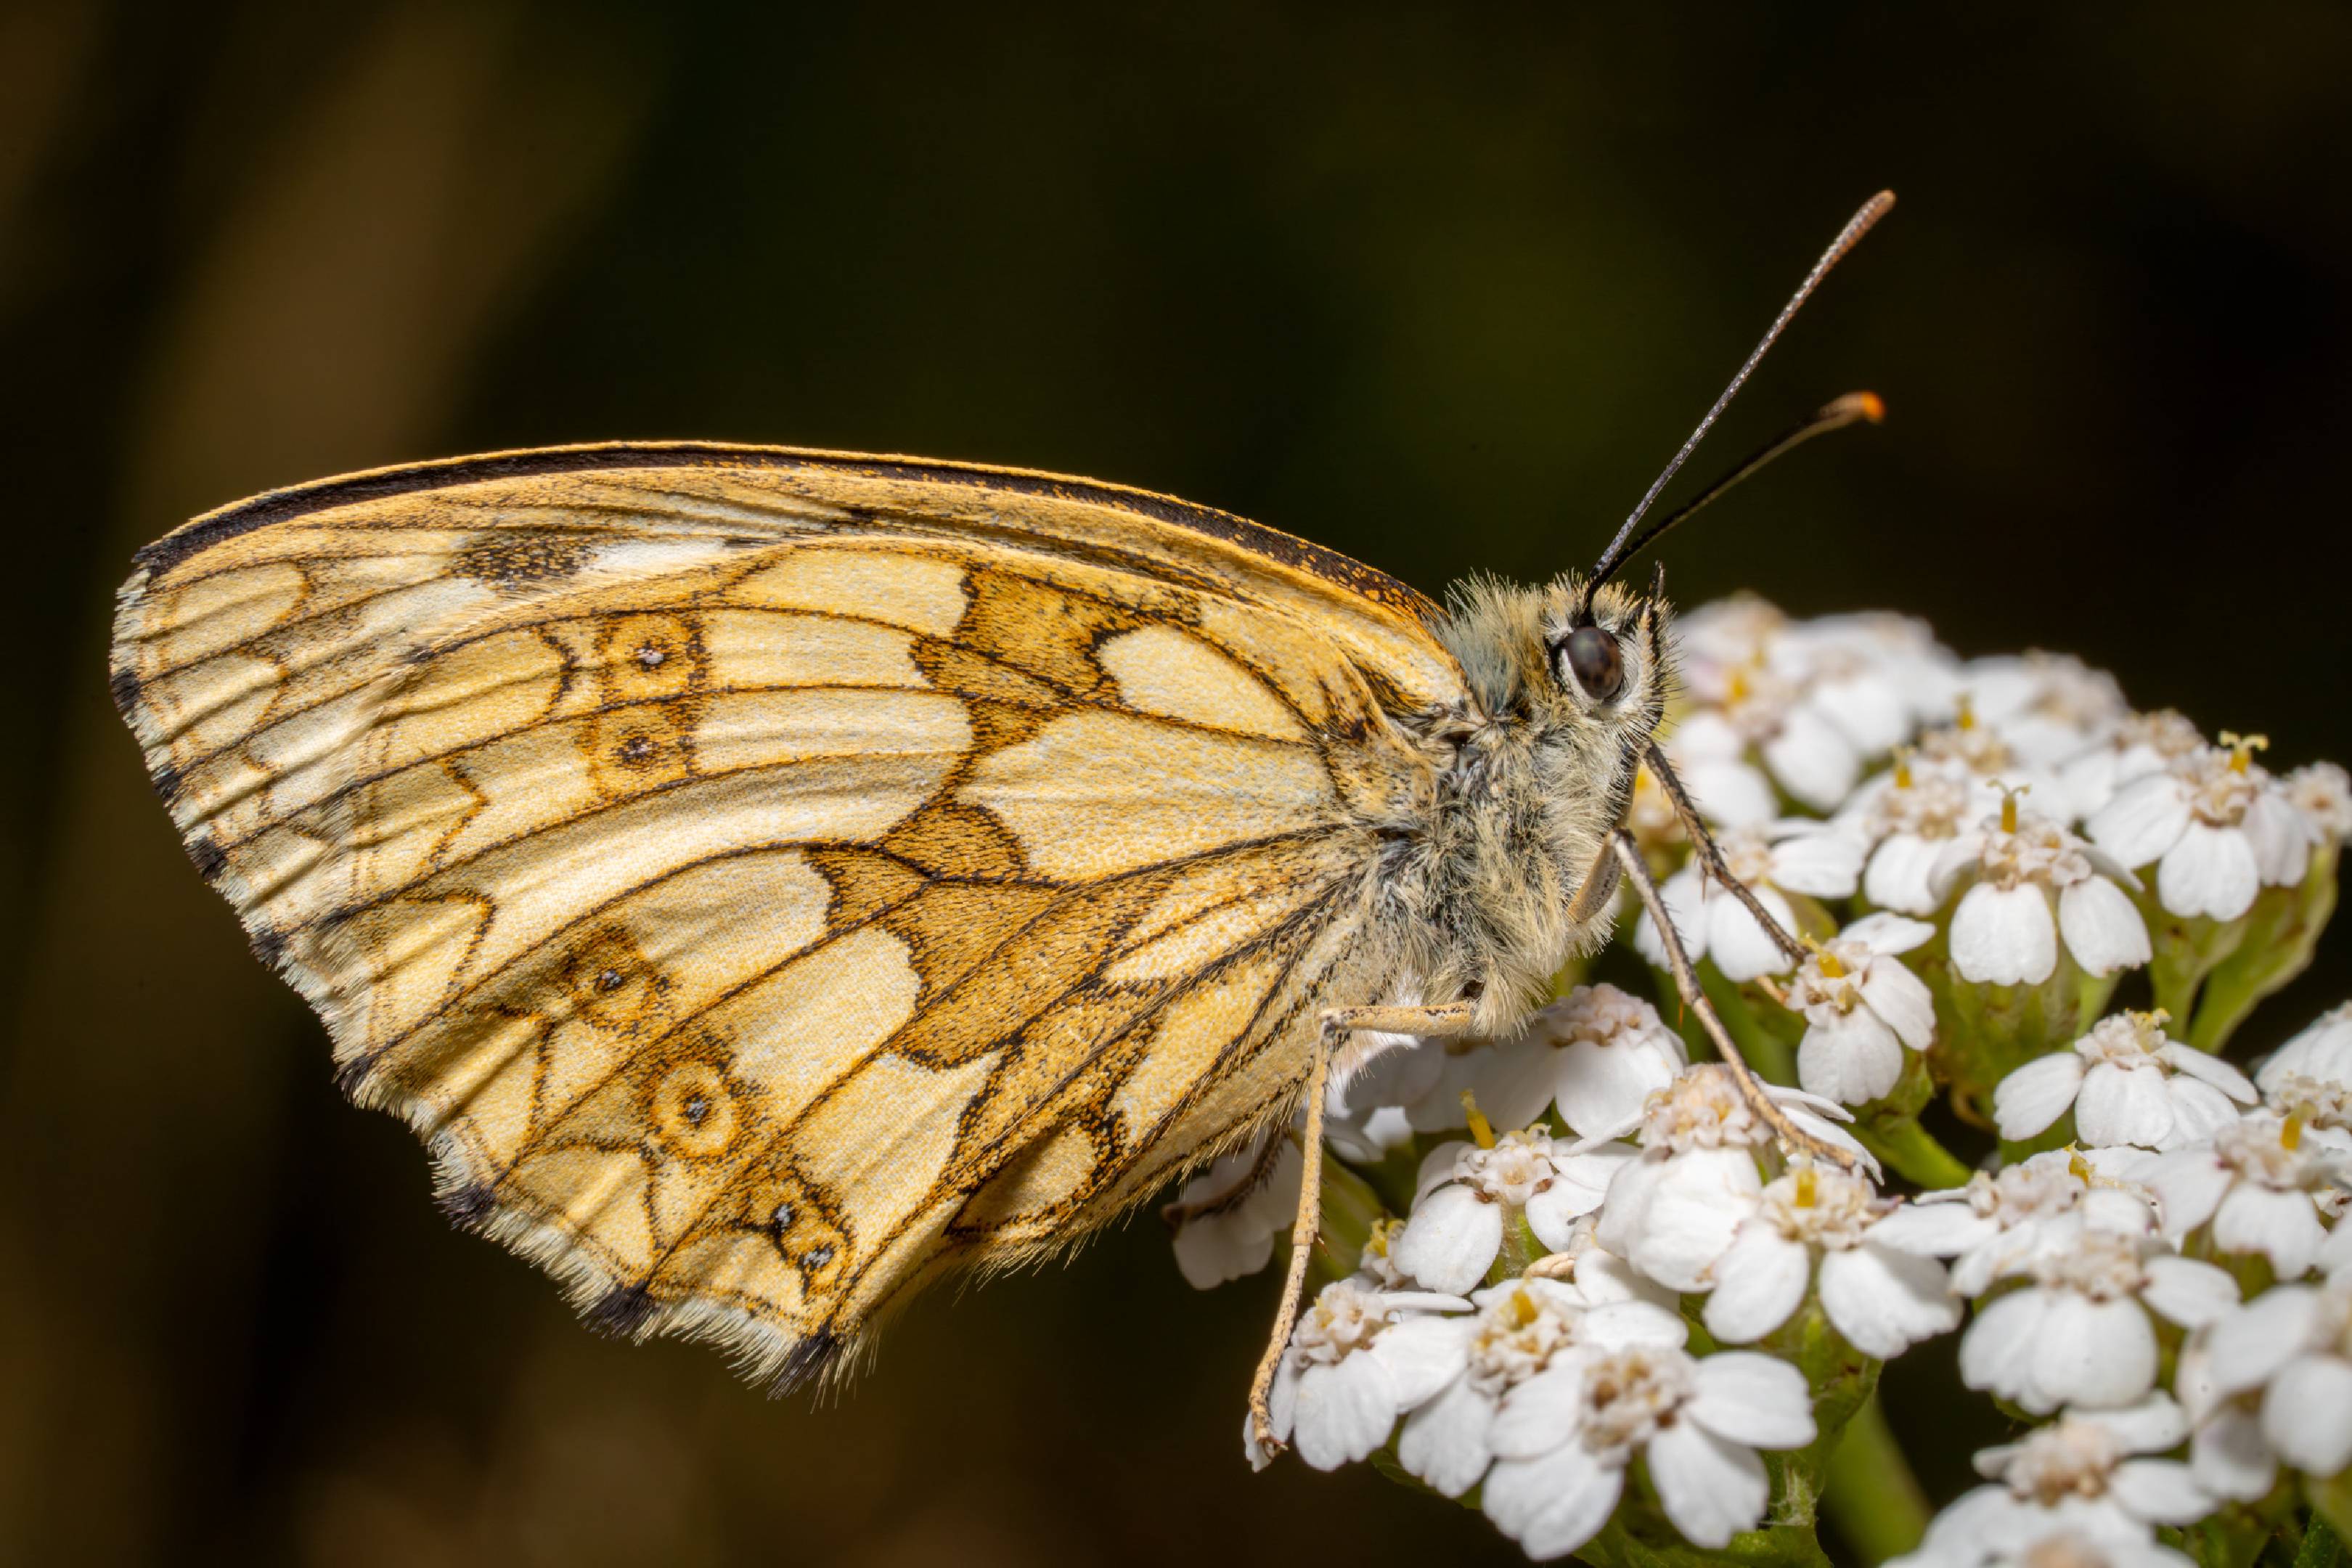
x=2231, y=1458
x=1902, y=874
x=2124, y=1105
x=1885, y=1301
x=1344, y=1412
x=1211, y=1249
x=1444, y=1441
x=2323, y=1050
x=2186, y=1292
x=1553, y=1505
x=1758, y=1283
x=1712, y=1489
x=2199, y=1111
x=1515, y=1087
x=2037, y=1094
x=2307, y=1415
x=1934, y=1230
x=1737, y=944
x=1818, y=861
x=1886, y=934
x=1577, y=1190
x=2210, y=871
x=2248, y=1347
x=2162, y=1492
x=1729, y=794
x=1758, y=1400
x=2282, y=837
x=2282, y=1226
x=1854, y=1059
x=1997, y=1353
x=2209, y=1069
x=2188, y=1185
x=2103, y=931
x=2091, y=1353
x=2145, y=818
x=1421, y=1355
x=1902, y=998
x=1603, y=1087
x=1437, y=1167
x=1451, y=1240
x=1540, y=1413
x=2004, y=936
x=1813, y=760
x=1695, y=1208
x=2151, y=1426
x=1614, y=1325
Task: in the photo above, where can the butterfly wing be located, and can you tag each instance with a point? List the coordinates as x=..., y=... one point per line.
x=766, y=878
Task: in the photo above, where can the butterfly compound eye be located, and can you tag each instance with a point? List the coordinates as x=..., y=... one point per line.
x=1593, y=660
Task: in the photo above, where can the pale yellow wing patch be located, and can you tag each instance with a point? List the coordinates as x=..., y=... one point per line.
x=768, y=879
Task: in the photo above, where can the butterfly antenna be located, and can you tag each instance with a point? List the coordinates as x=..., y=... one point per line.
x=1621, y=547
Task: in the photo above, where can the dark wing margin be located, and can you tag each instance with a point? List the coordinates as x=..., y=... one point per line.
x=377, y=484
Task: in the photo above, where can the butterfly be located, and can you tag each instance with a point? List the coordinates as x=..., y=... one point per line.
x=769, y=880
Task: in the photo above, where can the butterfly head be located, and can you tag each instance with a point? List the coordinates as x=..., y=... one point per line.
x=1548, y=658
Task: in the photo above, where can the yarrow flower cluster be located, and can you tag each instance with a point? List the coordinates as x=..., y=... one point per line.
x=1576, y=1280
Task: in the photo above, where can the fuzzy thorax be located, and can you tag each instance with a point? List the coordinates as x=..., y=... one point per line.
x=1530, y=780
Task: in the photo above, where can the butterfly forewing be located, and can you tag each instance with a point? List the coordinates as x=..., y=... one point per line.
x=767, y=878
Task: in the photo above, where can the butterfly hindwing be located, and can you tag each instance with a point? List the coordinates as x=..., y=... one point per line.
x=767, y=878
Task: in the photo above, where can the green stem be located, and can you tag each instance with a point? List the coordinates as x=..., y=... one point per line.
x=1911, y=1151
x=2320, y=1548
x=1872, y=1496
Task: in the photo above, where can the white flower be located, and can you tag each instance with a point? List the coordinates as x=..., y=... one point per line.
x=1673, y=1212
x=2258, y=1182
x=2079, y=1334
x=1727, y=666
x=2217, y=827
x=1594, y=1276
x=1908, y=815
x=1563, y=1439
x=1468, y=1190
x=2140, y=744
x=2047, y=706
x=2004, y=1220
x=1359, y=1359
x=2072, y=1492
x=2127, y=1083
x=2294, y=1343
x=1862, y=1009
x=1882, y=1300
x=1874, y=677
x=1597, y=1053
x=1228, y=1215
x=1792, y=855
x=1522, y=1328
x=2322, y=1051
x=2026, y=866
x=2323, y=792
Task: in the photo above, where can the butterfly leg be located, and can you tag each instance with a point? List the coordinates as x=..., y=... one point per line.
x=1710, y=859
x=1751, y=1088
x=1338, y=1023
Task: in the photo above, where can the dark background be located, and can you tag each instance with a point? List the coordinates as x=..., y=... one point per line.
x=1439, y=291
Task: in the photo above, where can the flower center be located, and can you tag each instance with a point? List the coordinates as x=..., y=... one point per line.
x=2126, y=1040
x=1629, y=1393
x=2040, y=1188
x=2066, y=1458
x=1930, y=805
x=1820, y=1206
x=2269, y=1150
x=1702, y=1109
x=2317, y=1102
x=1515, y=1169
x=2218, y=787
x=1515, y=1339
x=2102, y=1264
x=2064, y=1550
x=1599, y=1015
x=1344, y=1320
x=2035, y=849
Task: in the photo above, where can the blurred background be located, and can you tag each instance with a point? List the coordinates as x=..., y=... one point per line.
x=1440, y=291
